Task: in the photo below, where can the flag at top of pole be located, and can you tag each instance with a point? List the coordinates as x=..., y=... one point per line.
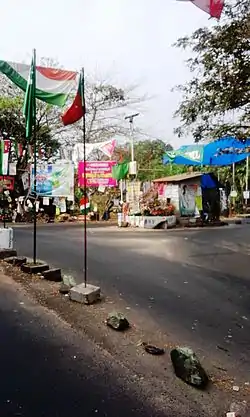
x=77, y=109
x=29, y=108
x=212, y=7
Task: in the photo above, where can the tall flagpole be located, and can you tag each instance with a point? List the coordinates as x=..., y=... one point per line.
x=84, y=176
x=247, y=175
x=35, y=160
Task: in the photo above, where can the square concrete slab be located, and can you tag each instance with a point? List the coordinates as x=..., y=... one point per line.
x=85, y=295
x=34, y=269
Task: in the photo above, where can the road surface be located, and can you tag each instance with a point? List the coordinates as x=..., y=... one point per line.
x=195, y=283
x=48, y=370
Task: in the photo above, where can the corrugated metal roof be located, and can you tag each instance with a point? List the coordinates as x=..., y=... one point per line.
x=179, y=177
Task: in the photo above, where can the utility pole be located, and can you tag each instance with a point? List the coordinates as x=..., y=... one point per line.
x=130, y=118
x=131, y=124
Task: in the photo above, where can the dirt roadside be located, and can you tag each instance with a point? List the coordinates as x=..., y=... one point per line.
x=153, y=374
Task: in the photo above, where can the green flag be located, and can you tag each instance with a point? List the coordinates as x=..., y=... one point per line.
x=192, y=152
x=29, y=108
x=120, y=171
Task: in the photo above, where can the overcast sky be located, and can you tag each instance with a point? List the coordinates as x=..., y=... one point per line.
x=131, y=40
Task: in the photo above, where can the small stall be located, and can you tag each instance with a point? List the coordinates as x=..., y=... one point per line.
x=194, y=194
x=152, y=213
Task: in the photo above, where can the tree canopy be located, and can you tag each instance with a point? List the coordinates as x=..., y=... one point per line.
x=12, y=126
x=149, y=154
x=216, y=101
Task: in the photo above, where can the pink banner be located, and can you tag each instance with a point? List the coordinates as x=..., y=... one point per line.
x=98, y=173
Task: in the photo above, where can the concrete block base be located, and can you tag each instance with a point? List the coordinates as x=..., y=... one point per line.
x=85, y=295
x=6, y=253
x=16, y=260
x=34, y=269
x=53, y=275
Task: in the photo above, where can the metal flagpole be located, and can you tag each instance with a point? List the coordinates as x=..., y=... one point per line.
x=131, y=126
x=84, y=176
x=233, y=199
x=247, y=175
x=4, y=202
x=35, y=161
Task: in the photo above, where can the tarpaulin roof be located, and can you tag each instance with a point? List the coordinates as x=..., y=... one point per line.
x=179, y=177
x=221, y=152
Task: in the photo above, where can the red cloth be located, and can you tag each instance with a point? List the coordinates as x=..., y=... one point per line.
x=76, y=110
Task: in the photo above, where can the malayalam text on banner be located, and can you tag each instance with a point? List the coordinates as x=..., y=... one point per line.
x=98, y=173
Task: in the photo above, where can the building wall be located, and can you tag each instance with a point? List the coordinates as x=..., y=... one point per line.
x=172, y=191
x=184, y=204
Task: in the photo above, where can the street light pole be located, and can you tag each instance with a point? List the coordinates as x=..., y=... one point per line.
x=130, y=118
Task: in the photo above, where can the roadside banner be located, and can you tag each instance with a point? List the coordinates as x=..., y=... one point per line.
x=54, y=180
x=98, y=173
x=7, y=183
x=5, y=151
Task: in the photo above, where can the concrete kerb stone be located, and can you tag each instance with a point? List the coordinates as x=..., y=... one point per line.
x=16, y=260
x=88, y=294
x=34, y=269
x=53, y=275
x=6, y=253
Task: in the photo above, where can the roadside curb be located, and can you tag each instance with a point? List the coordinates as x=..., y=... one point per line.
x=65, y=224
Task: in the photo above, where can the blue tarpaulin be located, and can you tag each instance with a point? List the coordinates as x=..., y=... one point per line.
x=225, y=151
x=207, y=181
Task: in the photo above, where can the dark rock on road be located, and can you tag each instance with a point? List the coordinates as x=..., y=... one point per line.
x=47, y=370
x=117, y=321
x=188, y=367
x=194, y=284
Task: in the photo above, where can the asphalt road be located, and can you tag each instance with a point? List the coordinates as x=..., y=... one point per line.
x=48, y=370
x=195, y=283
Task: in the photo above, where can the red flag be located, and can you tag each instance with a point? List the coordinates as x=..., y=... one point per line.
x=20, y=150
x=40, y=152
x=6, y=146
x=212, y=7
x=216, y=7
x=31, y=150
x=76, y=110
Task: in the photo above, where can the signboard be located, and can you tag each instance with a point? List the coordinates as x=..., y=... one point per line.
x=6, y=183
x=192, y=152
x=233, y=194
x=150, y=222
x=187, y=194
x=25, y=180
x=5, y=156
x=54, y=180
x=133, y=196
x=98, y=173
x=153, y=221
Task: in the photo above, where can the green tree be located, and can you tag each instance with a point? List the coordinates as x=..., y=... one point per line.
x=216, y=101
x=149, y=155
x=12, y=126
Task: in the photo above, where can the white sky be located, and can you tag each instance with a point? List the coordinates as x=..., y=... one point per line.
x=130, y=40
